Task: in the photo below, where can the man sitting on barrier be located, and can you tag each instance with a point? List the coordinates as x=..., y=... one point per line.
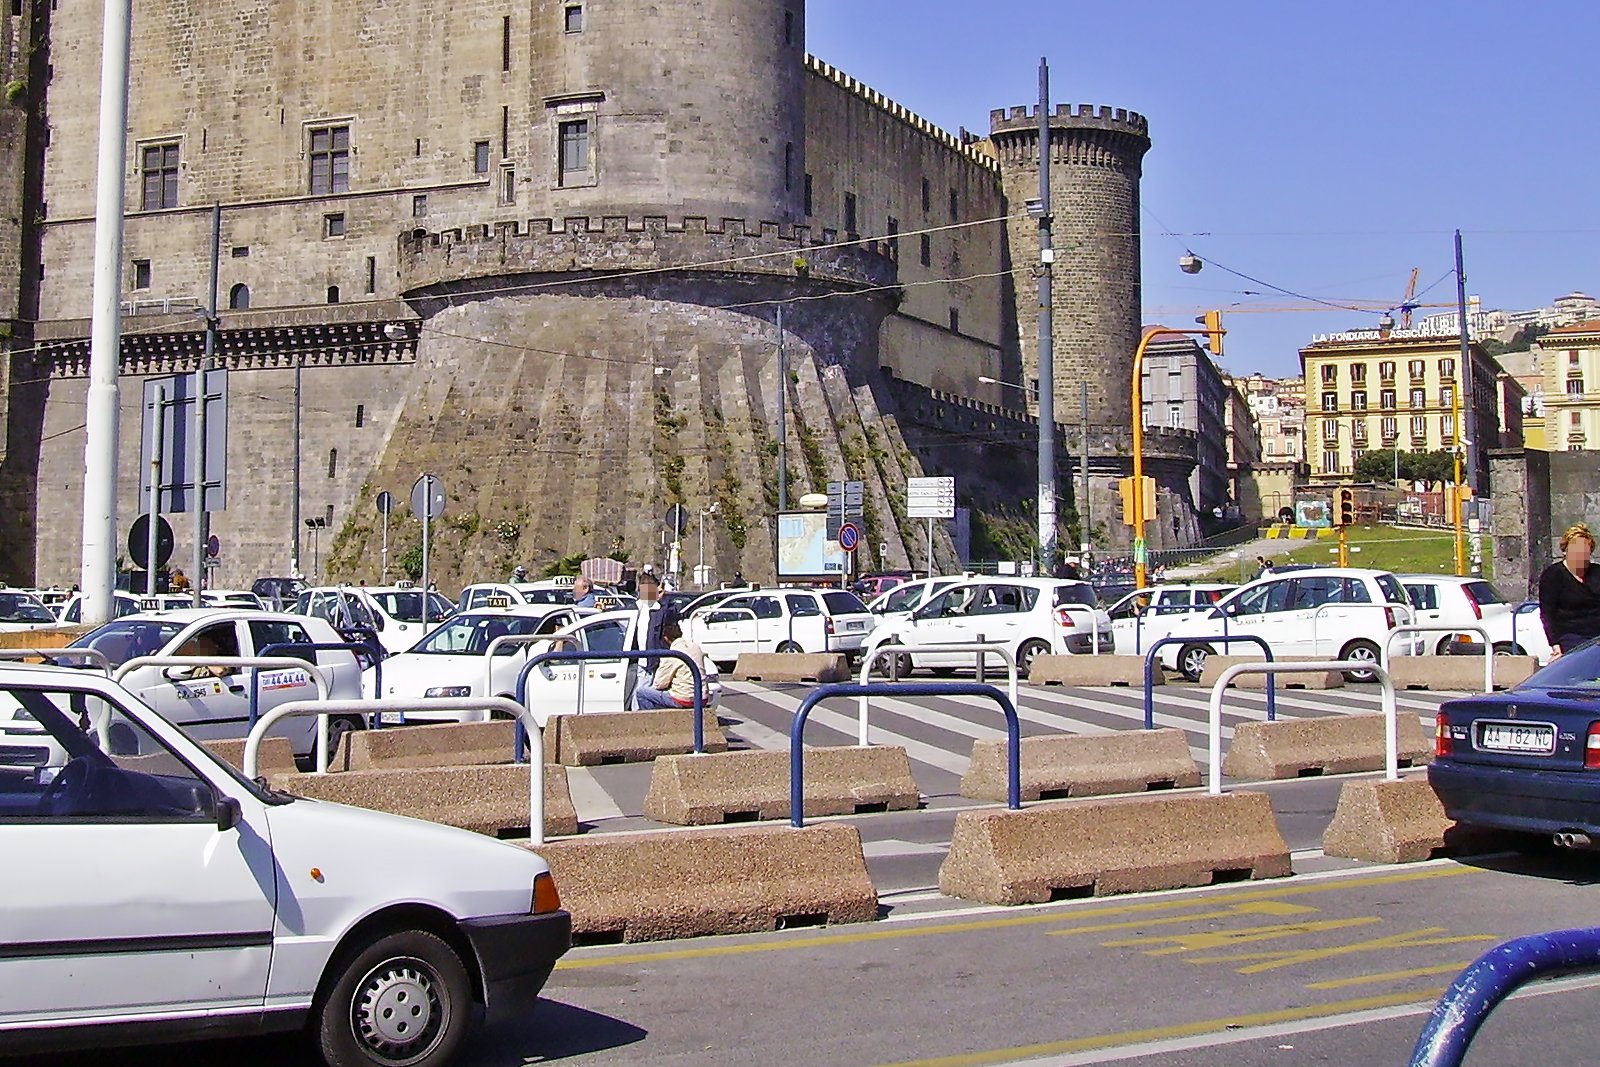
x=673, y=685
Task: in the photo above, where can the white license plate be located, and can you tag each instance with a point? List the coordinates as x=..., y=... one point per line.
x=855, y=626
x=1516, y=737
x=393, y=718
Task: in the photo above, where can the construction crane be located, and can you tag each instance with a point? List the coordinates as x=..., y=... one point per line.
x=1408, y=302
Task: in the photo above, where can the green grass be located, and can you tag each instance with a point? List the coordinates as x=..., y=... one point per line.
x=1400, y=549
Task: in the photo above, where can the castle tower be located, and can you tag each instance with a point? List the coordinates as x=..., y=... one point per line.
x=1095, y=166
x=677, y=109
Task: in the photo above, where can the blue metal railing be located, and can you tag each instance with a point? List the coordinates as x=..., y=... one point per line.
x=1150, y=671
x=355, y=648
x=899, y=689
x=521, y=743
x=1493, y=977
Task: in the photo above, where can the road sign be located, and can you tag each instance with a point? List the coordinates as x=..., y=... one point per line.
x=849, y=536
x=385, y=502
x=846, y=501
x=677, y=520
x=930, y=498
x=176, y=439
x=213, y=546
x=1139, y=553
x=139, y=541
x=427, y=497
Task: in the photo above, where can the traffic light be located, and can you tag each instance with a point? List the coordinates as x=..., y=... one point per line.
x=1212, y=321
x=1125, y=489
x=1344, y=506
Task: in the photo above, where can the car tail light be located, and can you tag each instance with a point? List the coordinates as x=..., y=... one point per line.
x=1441, y=735
x=1388, y=618
x=1477, y=611
x=827, y=623
x=1064, y=619
x=545, y=897
x=1591, y=748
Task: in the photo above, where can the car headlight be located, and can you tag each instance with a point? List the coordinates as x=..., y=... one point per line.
x=449, y=691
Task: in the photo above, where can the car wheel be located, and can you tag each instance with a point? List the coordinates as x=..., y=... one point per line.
x=338, y=728
x=403, y=1000
x=1508, y=648
x=893, y=664
x=789, y=647
x=1192, y=661
x=1443, y=647
x=1363, y=652
x=1030, y=651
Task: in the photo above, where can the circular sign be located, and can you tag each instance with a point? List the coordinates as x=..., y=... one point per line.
x=849, y=537
x=427, y=497
x=213, y=546
x=385, y=502
x=139, y=541
x=676, y=520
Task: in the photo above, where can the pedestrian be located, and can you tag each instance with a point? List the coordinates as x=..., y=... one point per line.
x=1569, y=593
x=583, y=594
x=1263, y=566
x=179, y=582
x=674, y=683
x=519, y=573
x=647, y=624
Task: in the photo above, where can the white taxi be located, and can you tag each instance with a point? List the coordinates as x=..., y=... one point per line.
x=394, y=612
x=1145, y=616
x=21, y=610
x=152, y=893
x=216, y=705
x=781, y=620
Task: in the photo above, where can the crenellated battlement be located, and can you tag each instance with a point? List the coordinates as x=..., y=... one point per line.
x=1070, y=116
x=970, y=150
x=618, y=243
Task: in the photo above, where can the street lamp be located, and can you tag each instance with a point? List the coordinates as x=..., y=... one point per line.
x=316, y=525
x=700, y=569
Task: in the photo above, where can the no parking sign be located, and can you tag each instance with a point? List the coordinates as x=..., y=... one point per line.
x=849, y=536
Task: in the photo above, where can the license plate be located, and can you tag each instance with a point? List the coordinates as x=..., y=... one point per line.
x=1516, y=737
x=855, y=626
x=393, y=718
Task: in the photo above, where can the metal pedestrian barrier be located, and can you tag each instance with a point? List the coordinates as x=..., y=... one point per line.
x=318, y=679
x=1391, y=740
x=983, y=649
x=1488, y=645
x=597, y=656
x=903, y=689
x=1463, y=1008
x=101, y=660
x=304, y=708
x=1150, y=671
x=355, y=648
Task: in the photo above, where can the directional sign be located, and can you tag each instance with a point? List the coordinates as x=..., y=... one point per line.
x=930, y=498
x=849, y=536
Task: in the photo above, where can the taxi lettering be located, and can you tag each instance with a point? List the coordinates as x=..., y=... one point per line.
x=283, y=680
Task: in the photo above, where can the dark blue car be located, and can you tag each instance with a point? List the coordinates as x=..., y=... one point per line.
x=1527, y=759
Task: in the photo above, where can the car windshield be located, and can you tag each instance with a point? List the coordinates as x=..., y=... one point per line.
x=1076, y=593
x=1578, y=669
x=19, y=607
x=405, y=605
x=470, y=635
x=843, y=604
x=124, y=639
x=1484, y=593
x=1393, y=591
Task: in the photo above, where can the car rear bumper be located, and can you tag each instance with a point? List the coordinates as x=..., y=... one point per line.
x=1080, y=643
x=852, y=641
x=516, y=954
x=1507, y=798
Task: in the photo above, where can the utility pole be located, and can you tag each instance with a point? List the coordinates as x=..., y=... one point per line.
x=1086, y=508
x=783, y=427
x=1463, y=383
x=294, y=503
x=1047, y=397
x=201, y=516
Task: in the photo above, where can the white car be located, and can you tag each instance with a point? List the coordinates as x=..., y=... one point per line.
x=1029, y=616
x=1144, y=616
x=213, y=706
x=152, y=893
x=781, y=620
x=1319, y=613
x=233, y=598
x=23, y=611
x=121, y=604
x=1448, y=600
x=1519, y=632
x=899, y=602
x=393, y=612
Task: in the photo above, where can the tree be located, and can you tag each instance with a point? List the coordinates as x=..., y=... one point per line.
x=1378, y=465
x=1431, y=467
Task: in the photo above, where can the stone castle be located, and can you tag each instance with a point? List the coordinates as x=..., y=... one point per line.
x=543, y=249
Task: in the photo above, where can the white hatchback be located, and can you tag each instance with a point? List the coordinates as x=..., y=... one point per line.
x=898, y=603
x=21, y=610
x=1340, y=613
x=396, y=613
x=1448, y=600
x=152, y=893
x=1145, y=616
x=781, y=620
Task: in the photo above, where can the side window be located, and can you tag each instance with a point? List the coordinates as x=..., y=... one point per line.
x=1278, y=597
x=220, y=639
x=1314, y=592
x=999, y=600
x=1423, y=597
x=1255, y=601
x=606, y=636
x=898, y=599
x=953, y=603
x=264, y=634
x=801, y=606
x=766, y=607
x=1355, y=592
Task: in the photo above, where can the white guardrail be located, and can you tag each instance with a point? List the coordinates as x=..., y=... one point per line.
x=304, y=708
x=982, y=648
x=319, y=679
x=100, y=658
x=1488, y=645
x=1391, y=726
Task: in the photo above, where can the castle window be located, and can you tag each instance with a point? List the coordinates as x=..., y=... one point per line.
x=419, y=206
x=808, y=196
x=505, y=43
x=508, y=185
x=333, y=462
x=574, y=157
x=330, y=160
x=159, y=167
x=894, y=238
x=239, y=298
x=955, y=320
x=955, y=207
x=141, y=274
x=333, y=294
x=361, y=415
x=927, y=250
x=788, y=27
x=788, y=166
x=573, y=18
x=333, y=225
x=850, y=213
x=372, y=274
x=480, y=157
x=927, y=197
x=239, y=251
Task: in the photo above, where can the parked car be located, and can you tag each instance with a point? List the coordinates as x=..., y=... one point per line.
x=278, y=594
x=23, y=611
x=1029, y=616
x=869, y=586
x=449, y=661
x=1144, y=616
x=121, y=604
x=1519, y=632
x=1326, y=613
x=1447, y=600
x=781, y=620
x=900, y=601
x=394, y=613
x=153, y=893
x=1527, y=759
x=233, y=598
x=216, y=705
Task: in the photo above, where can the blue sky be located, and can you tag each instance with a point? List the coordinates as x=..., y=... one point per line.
x=1327, y=149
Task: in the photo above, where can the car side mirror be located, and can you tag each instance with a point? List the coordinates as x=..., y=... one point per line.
x=228, y=813
x=176, y=674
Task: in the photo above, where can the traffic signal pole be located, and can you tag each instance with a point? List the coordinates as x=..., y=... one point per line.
x=1344, y=546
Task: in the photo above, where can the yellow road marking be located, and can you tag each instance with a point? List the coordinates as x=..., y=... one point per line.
x=1062, y=916
x=1426, y=937
x=1390, y=976
x=1179, y=1030
x=1258, y=907
x=1177, y=943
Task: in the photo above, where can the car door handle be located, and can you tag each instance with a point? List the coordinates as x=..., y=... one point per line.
x=235, y=688
x=608, y=674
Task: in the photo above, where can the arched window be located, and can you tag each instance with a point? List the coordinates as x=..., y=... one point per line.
x=333, y=294
x=239, y=298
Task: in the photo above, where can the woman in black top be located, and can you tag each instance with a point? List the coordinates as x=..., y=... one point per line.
x=1569, y=593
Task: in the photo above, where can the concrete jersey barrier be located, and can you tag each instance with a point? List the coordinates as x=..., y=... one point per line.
x=627, y=736
x=277, y=754
x=1331, y=744
x=1059, y=766
x=1461, y=674
x=488, y=800
x=1099, y=847
x=1092, y=671
x=1216, y=665
x=444, y=745
x=700, y=790
x=1388, y=822
x=819, y=667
